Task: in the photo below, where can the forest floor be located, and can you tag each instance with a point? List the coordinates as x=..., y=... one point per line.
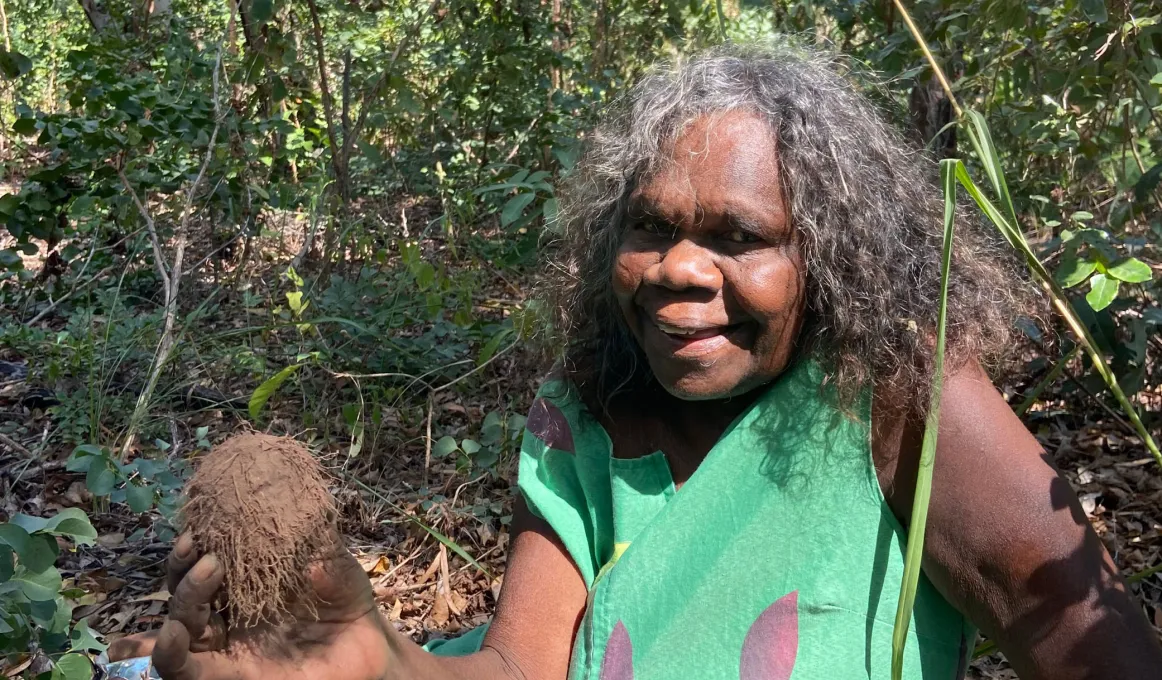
x=423, y=587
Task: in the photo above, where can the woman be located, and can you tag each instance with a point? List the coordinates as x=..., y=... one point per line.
x=714, y=484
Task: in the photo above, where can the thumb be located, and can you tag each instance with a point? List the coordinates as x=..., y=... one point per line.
x=174, y=661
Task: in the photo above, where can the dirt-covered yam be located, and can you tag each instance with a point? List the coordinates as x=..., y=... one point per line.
x=261, y=504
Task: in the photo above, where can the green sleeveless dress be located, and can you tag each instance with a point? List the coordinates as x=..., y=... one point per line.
x=779, y=558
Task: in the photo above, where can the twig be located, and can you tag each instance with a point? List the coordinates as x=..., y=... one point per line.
x=15, y=445
x=428, y=441
x=172, y=282
x=158, y=256
x=76, y=286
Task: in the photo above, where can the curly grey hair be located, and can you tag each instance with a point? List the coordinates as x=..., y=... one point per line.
x=866, y=203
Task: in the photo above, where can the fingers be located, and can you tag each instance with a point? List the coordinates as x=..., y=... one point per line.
x=171, y=654
x=173, y=659
x=132, y=646
x=191, y=604
x=183, y=556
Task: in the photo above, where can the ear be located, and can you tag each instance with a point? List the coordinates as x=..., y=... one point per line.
x=768, y=652
x=618, y=661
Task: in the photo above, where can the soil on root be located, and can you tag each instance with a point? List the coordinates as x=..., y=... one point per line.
x=261, y=504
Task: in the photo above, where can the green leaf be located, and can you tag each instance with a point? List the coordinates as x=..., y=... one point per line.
x=294, y=277
x=1131, y=270
x=1149, y=179
x=515, y=207
x=72, y=523
x=1073, y=270
x=13, y=64
x=7, y=565
x=100, y=480
x=425, y=275
x=986, y=151
x=549, y=212
x=469, y=446
x=295, y=300
x=24, y=126
x=39, y=586
x=1081, y=216
x=139, y=498
x=261, y=11
x=10, y=259
x=493, y=344
x=445, y=446
x=266, y=389
x=74, y=667
x=81, y=639
x=1102, y=291
x=36, y=552
x=1094, y=11
x=279, y=92
x=8, y=204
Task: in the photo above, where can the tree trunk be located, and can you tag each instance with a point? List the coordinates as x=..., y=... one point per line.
x=4, y=27
x=98, y=17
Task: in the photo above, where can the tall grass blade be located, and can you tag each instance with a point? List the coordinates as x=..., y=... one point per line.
x=1064, y=307
x=986, y=151
x=919, y=520
x=1006, y=222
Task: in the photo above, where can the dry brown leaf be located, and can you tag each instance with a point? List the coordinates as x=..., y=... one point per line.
x=111, y=540
x=439, y=615
x=160, y=596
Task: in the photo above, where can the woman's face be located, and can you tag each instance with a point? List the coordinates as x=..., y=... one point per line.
x=709, y=275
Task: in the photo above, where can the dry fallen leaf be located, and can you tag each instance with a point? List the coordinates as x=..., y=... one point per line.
x=439, y=616
x=160, y=596
x=111, y=540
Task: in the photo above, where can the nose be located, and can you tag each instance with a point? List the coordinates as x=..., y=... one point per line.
x=685, y=265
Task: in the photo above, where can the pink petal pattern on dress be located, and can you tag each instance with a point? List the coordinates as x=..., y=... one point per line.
x=547, y=423
x=768, y=652
x=618, y=661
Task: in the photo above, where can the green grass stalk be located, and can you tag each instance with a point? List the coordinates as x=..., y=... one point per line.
x=915, y=550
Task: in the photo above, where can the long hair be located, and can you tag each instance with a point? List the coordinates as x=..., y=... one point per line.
x=866, y=203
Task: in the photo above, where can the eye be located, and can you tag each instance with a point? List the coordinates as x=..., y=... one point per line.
x=656, y=228
x=740, y=236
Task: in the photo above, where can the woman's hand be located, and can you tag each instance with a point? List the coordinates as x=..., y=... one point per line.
x=338, y=633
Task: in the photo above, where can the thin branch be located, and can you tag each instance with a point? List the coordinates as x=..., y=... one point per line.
x=158, y=257
x=15, y=445
x=77, y=285
x=173, y=282
x=324, y=84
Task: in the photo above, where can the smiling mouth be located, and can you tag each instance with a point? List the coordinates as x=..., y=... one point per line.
x=691, y=341
x=694, y=333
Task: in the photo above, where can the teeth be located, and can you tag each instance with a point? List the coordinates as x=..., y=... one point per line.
x=675, y=330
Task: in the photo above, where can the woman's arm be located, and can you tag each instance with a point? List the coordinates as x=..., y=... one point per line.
x=531, y=636
x=1008, y=543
